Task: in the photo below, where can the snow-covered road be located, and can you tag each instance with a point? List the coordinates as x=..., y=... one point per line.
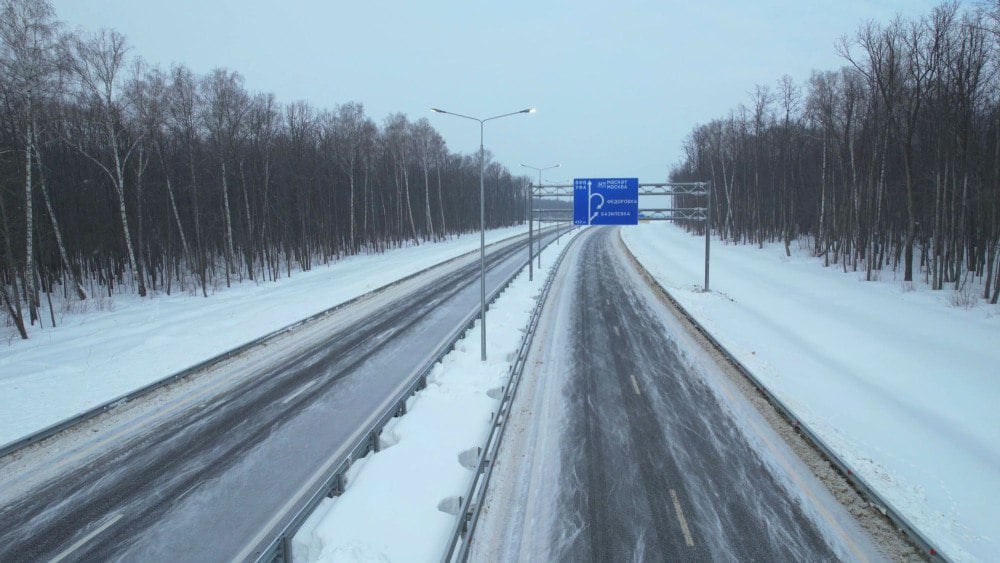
x=899, y=382
x=198, y=470
x=627, y=444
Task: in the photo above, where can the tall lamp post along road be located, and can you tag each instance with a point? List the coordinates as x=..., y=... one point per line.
x=531, y=275
x=482, y=214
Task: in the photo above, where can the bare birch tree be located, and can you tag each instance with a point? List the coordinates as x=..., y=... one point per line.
x=98, y=61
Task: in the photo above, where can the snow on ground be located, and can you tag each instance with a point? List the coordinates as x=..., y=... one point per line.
x=903, y=385
x=96, y=356
x=390, y=510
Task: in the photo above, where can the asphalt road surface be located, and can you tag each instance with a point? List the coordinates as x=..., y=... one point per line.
x=628, y=445
x=198, y=470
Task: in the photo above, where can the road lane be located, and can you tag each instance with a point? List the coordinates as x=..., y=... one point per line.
x=211, y=459
x=646, y=458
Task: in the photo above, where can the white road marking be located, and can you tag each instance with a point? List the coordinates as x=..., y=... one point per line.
x=79, y=543
x=299, y=392
x=635, y=385
x=680, y=517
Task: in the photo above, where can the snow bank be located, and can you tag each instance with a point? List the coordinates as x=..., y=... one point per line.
x=98, y=355
x=903, y=385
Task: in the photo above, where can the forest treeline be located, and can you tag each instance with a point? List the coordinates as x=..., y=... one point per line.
x=120, y=176
x=892, y=161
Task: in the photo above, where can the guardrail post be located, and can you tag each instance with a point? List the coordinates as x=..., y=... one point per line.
x=284, y=552
x=337, y=488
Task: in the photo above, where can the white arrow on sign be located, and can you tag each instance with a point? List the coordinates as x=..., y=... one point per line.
x=599, y=205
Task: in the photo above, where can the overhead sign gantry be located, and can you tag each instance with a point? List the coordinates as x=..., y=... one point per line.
x=615, y=201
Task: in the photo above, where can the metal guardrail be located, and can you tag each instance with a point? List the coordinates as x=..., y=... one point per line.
x=866, y=491
x=472, y=502
x=49, y=431
x=279, y=548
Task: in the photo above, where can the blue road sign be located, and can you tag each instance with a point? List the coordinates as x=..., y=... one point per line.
x=606, y=201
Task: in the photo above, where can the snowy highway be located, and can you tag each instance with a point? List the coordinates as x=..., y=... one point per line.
x=201, y=469
x=628, y=444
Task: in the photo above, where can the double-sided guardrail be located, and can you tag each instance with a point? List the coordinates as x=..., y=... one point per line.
x=859, y=483
x=472, y=502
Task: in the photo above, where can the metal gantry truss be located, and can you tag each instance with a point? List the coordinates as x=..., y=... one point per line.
x=650, y=188
x=696, y=189
x=552, y=215
x=673, y=214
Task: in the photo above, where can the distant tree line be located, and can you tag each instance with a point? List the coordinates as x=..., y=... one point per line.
x=115, y=175
x=891, y=161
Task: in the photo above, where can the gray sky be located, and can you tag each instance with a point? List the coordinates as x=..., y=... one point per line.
x=617, y=85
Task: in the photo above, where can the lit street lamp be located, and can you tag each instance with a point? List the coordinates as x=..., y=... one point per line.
x=531, y=198
x=482, y=214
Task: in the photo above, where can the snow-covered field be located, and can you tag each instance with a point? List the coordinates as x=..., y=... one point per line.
x=103, y=353
x=902, y=384
x=396, y=501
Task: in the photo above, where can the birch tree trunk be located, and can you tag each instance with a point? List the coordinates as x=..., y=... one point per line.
x=70, y=271
x=173, y=207
x=122, y=211
x=409, y=205
x=354, y=247
x=444, y=227
x=11, y=301
x=31, y=292
x=427, y=203
x=227, y=220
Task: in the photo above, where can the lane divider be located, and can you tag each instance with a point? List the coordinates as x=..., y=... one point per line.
x=680, y=518
x=83, y=541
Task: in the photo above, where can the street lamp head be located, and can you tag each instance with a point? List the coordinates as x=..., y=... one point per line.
x=529, y=110
x=436, y=110
x=541, y=169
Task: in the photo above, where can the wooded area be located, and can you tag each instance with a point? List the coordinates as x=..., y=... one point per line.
x=893, y=161
x=118, y=176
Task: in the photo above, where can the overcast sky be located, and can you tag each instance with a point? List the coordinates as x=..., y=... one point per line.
x=618, y=85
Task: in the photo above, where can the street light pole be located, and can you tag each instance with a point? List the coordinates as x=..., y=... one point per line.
x=531, y=275
x=482, y=214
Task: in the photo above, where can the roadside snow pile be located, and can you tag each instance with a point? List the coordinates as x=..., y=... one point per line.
x=397, y=502
x=901, y=383
x=96, y=356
